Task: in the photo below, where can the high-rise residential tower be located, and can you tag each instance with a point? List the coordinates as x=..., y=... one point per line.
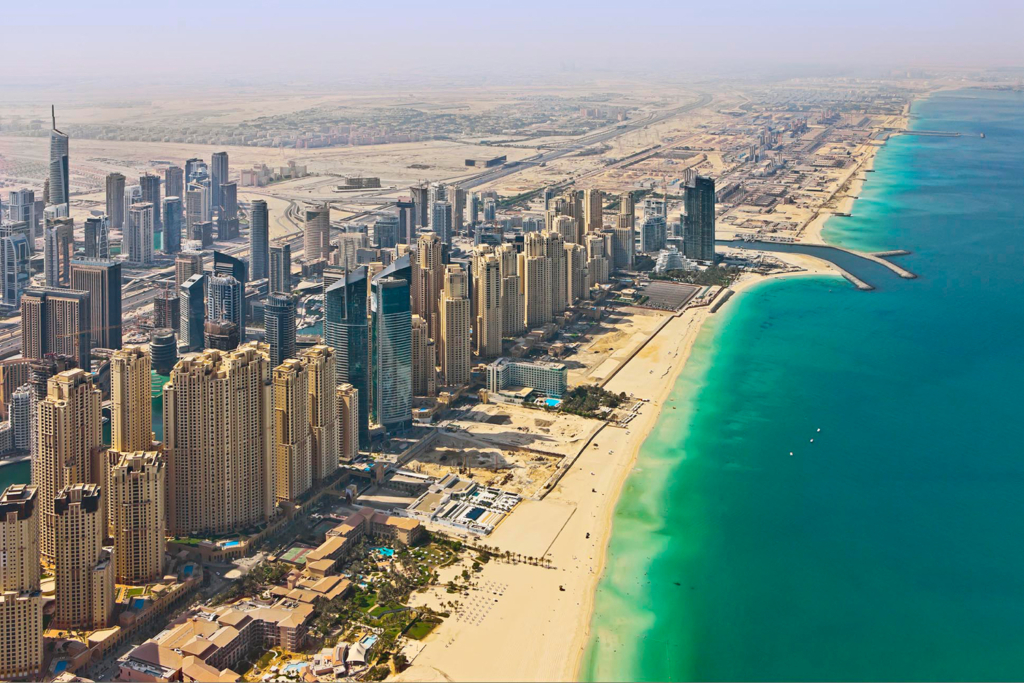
x=56, y=321
x=293, y=459
x=217, y=441
x=102, y=280
x=136, y=504
x=172, y=224
x=115, y=200
x=259, y=241
x=84, y=568
x=193, y=314
x=279, y=321
x=131, y=414
x=317, y=235
x=69, y=440
x=138, y=236
x=150, y=184
x=21, y=603
x=487, y=292
x=455, y=343
x=320, y=362
x=280, y=272
x=218, y=176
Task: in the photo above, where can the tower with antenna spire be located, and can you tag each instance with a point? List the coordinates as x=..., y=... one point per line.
x=59, y=172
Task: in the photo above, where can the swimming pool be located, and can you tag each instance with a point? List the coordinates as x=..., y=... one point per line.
x=386, y=552
x=230, y=544
x=552, y=402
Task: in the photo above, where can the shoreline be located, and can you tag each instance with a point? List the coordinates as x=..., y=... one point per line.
x=548, y=640
x=812, y=268
x=572, y=526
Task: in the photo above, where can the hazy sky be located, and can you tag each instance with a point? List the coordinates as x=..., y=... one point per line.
x=307, y=40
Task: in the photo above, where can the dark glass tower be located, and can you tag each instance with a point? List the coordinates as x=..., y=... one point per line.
x=699, y=224
x=259, y=241
x=345, y=329
x=279, y=317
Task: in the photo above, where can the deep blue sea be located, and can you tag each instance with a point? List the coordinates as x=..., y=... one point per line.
x=892, y=546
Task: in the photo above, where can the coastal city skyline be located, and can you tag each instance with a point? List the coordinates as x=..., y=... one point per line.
x=512, y=357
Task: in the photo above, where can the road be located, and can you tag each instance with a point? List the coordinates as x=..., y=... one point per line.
x=580, y=143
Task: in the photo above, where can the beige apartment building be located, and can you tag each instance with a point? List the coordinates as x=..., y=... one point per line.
x=84, y=568
x=218, y=441
x=137, y=509
x=21, y=603
x=131, y=412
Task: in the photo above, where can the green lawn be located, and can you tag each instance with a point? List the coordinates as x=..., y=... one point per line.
x=138, y=590
x=420, y=629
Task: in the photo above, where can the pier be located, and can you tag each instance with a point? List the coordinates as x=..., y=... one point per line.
x=852, y=265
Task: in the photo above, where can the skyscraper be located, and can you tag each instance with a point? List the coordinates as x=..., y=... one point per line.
x=391, y=349
x=69, y=438
x=172, y=225
x=457, y=198
x=166, y=310
x=131, y=414
x=536, y=281
x=699, y=222
x=455, y=344
x=320, y=362
x=653, y=234
x=259, y=241
x=279, y=320
x=593, y=207
x=58, y=246
x=193, y=314
x=174, y=182
x=115, y=200
x=59, y=169
x=406, y=222
x=217, y=441
x=347, y=402
x=280, y=273
x=150, y=185
x=623, y=247
x=21, y=603
x=576, y=269
x=487, y=292
x=385, y=231
x=187, y=264
x=97, y=237
x=224, y=300
x=139, y=235
x=293, y=461
x=137, y=501
x=56, y=321
x=441, y=221
x=84, y=568
x=15, y=257
x=421, y=202
x=225, y=265
x=218, y=176
x=102, y=280
x=427, y=279
x=512, y=306
x=424, y=359
x=22, y=207
x=345, y=329
x=317, y=235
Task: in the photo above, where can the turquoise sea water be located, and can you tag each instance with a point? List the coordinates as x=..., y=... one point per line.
x=889, y=548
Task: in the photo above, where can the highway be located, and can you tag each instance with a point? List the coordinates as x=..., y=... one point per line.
x=580, y=143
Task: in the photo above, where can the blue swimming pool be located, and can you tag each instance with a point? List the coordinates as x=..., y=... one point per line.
x=552, y=402
x=230, y=544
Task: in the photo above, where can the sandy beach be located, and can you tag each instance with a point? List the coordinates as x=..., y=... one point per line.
x=531, y=623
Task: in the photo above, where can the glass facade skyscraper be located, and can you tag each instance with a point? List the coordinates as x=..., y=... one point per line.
x=391, y=348
x=346, y=331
